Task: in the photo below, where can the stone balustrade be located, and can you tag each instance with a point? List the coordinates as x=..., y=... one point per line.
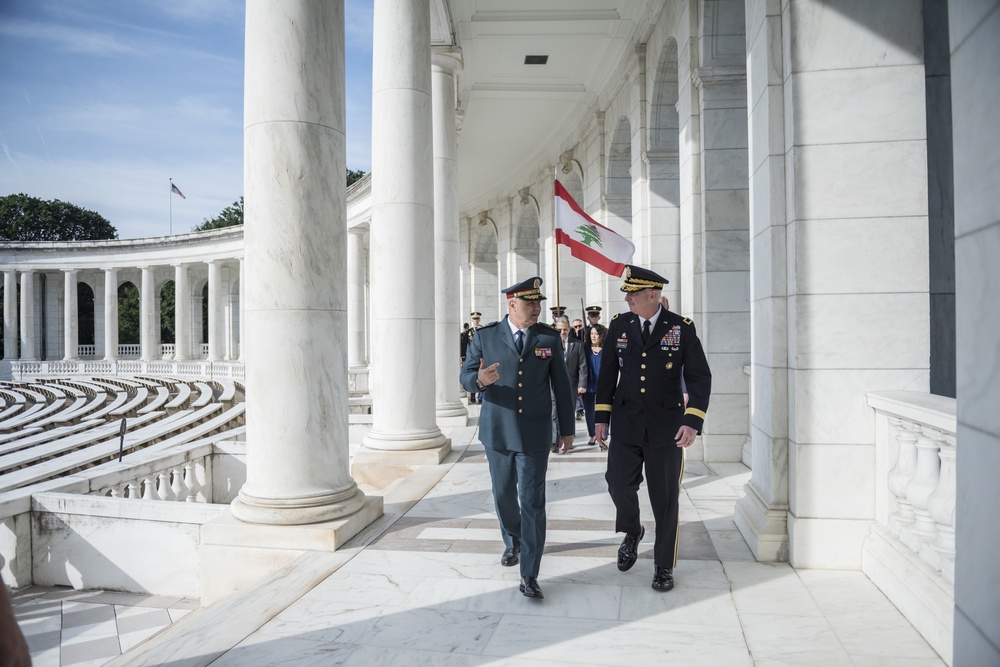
x=25, y=371
x=182, y=482
x=83, y=351
x=910, y=550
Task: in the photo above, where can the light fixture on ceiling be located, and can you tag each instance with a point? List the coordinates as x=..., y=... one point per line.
x=536, y=60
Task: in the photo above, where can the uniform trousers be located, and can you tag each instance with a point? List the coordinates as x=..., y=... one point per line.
x=664, y=465
x=519, y=496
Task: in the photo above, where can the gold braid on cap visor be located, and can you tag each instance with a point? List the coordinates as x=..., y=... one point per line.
x=524, y=293
x=636, y=284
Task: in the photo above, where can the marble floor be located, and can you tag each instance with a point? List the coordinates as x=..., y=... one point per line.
x=425, y=587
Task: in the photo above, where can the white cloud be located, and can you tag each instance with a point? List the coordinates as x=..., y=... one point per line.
x=64, y=38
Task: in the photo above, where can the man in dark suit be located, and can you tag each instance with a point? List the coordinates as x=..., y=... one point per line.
x=518, y=366
x=645, y=354
x=576, y=365
x=474, y=397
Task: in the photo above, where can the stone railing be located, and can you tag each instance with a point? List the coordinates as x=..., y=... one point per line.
x=25, y=371
x=86, y=351
x=129, y=350
x=167, y=350
x=183, y=482
x=910, y=550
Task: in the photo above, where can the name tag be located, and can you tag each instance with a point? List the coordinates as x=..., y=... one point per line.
x=622, y=343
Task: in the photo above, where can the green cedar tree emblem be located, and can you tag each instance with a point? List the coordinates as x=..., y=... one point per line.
x=590, y=235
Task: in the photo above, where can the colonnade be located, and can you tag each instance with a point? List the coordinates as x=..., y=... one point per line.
x=42, y=320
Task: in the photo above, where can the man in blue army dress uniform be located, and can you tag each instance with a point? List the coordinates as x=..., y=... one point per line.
x=645, y=354
x=517, y=364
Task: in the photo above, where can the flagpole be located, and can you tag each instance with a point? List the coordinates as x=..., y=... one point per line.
x=555, y=242
x=170, y=198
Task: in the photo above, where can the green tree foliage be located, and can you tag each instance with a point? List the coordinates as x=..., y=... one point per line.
x=353, y=176
x=232, y=215
x=24, y=218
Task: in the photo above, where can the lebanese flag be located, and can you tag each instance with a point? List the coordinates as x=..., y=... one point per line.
x=587, y=239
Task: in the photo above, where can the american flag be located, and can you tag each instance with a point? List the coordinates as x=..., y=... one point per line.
x=177, y=190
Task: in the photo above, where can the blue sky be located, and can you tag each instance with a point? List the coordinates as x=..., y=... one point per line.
x=103, y=101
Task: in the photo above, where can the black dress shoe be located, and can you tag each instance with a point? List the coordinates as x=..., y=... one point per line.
x=509, y=557
x=629, y=550
x=663, y=579
x=555, y=448
x=529, y=587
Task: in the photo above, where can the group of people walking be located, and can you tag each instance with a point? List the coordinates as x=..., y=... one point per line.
x=528, y=376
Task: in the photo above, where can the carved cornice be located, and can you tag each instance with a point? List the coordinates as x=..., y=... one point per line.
x=716, y=75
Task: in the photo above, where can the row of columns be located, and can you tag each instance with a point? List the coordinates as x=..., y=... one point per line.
x=297, y=243
x=20, y=323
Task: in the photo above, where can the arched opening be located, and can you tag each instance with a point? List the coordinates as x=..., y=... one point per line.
x=526, y=252
x=663, y=247
x=85, y=319
x=168, y=302
x=485, y=270
x=128, y=318
x=619, y=185
x=204, y=314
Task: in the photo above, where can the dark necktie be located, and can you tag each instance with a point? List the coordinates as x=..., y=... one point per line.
x=645, y=332
x=519, y=341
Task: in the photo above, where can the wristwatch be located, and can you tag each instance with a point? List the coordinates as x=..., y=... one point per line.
x=479, y=384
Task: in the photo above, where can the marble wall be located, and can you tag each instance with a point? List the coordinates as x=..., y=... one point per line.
x=856, y=235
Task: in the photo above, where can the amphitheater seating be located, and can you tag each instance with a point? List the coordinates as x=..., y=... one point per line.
x=54, y=428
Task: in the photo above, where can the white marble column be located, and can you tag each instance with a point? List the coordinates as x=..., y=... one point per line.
x=724, y=325
x=216, y=329
x=242, y=307
x=356, y=358
x=71, y=320
x=182, y=313
x=298, y=464
x=110, y=314
x=445, y=65
x=27, y=316
x=148, y=334
x=10, y=331
x=762, y=513
x=402, y=231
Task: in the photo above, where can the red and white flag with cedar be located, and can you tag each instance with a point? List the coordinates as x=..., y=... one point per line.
x=587, y=239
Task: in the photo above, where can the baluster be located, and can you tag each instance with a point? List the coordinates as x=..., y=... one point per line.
x=132, y=490
x=191, y=482
x=113, y=492
x=201, y=471
x=177, y=484
x=148, y=490
x=163, y=491
x=941, y=506
x=901, y=473
x=925, y=480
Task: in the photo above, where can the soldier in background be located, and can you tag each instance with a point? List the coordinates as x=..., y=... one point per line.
x=557, y=312
x=476, y=396
x=593, y=319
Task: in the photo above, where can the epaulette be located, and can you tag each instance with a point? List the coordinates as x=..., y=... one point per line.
x=615, y=317
x=491, y=324
x=549, y=326
x=687, y=321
